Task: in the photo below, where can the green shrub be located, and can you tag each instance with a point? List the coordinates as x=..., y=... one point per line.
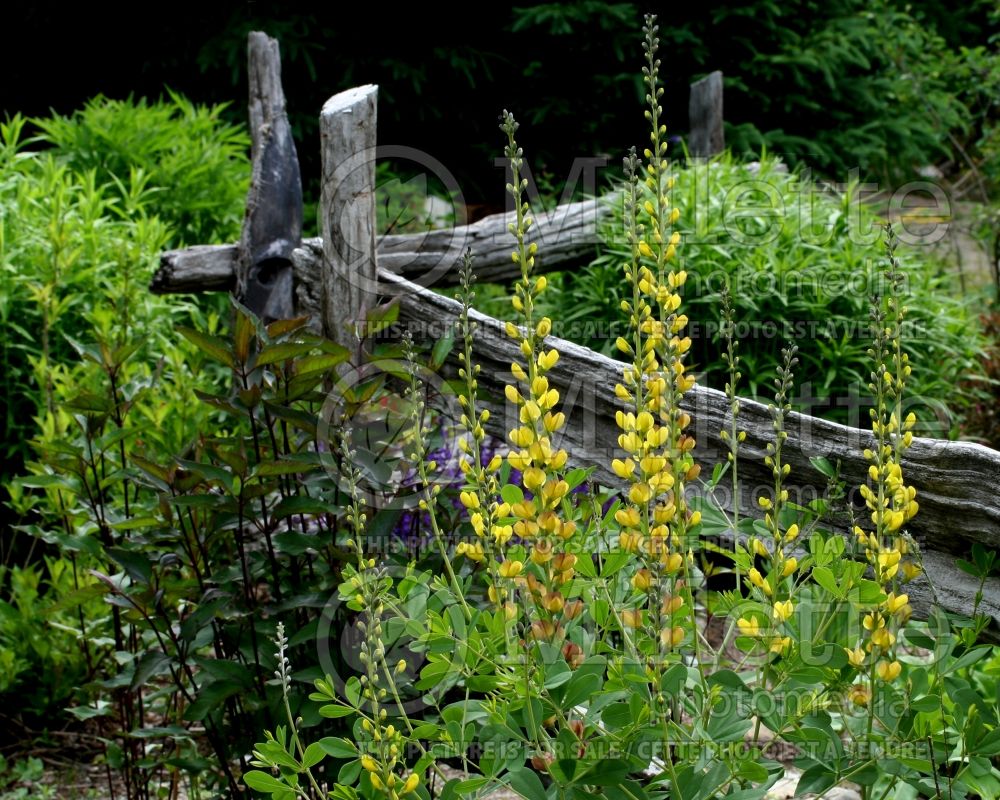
x=76, y=256
x=49, y=627
x=193, y=162
x=802, y=273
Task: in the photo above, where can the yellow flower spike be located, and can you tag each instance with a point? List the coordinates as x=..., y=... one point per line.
x=748, y=627
x=888, y=670
x=783, y=610
x=856, y=657
x=511, y=569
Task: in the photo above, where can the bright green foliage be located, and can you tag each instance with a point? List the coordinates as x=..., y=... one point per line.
x=43, y=658
x=193, y=161
x=76, y=255
x=199, y=552
x=883, y=86
x=800, y=263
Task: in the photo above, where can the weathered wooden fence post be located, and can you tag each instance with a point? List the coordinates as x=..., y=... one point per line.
x=347, y=213
x=272, y=227
x=706, y=137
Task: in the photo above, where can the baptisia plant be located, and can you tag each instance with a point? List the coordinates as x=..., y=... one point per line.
x=564, y=640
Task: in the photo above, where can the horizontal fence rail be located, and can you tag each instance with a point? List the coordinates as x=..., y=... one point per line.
x=568, y=235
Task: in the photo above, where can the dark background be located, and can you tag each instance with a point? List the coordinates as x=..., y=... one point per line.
x=569, y=72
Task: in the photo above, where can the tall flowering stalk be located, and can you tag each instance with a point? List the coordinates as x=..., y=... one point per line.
x=775, y=589
x=481, y=492
x=890, y=502
x=732, y=435
x=381, y=744
x=654, y=519
x=539, y=522
x=418, y=455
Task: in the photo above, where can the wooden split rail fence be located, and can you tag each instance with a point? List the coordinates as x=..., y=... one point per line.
x=337, y=278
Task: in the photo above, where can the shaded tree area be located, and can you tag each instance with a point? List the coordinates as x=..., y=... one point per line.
x=828, y=83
